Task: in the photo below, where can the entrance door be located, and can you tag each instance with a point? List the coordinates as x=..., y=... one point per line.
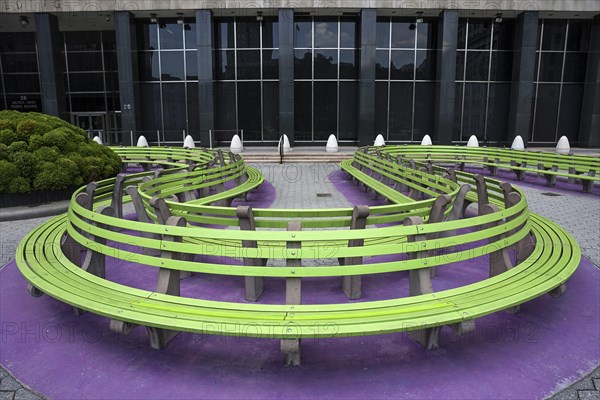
x=93, y=124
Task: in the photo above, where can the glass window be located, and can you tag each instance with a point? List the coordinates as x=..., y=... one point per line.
x=191, y=65
x=148, y=66
x=326, y=33
x=83, y=41
x=303, y=33
x=19, y=63
x=427, y=34
x=575, y=67
x=457, y=98
x=147, y=36
x=303, y=110
x=22, y=83
x=426, y=65
x=551, y=68
x=150, y=107
x=381, y=108
x=579, y=36
x=248, y=33
x=383, y=33
x=460, y=65
x=504, y=35
x=224, y=37
x=172, y=66
x=348, y=36
x=424, y=108
x=570, y=111
x=249, y=112
x=382, y=62
x=348, y=64
x=225, y=107
x=403, y=34
x=191, y=35
x=225, y=64
x=270, y=33
x=303, y=64
x=193, y=107
x=477, y=65
x=248, y=64
x=270, y=64
x=270, y=110
x=554, y=34
x=545, y=113
x=87, y=82
x=12, y=42
x=112, y=81
x=474, y=109
x=348, y=118
x=462, y=33
x=88, y=61
x=171, y=37
x=401, y=96
x=109, y=40
x=87, y=102
x=110, y=61
x=174, y=106
x=326, y=62
x=325, y=101
x=502, y=63
x=402, y=66
x=480, y=31
x=499, y=102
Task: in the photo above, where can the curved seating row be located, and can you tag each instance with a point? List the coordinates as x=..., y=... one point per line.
x=65, y=257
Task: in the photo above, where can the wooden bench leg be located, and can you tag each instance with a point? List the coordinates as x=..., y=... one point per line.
x=588, y=184
x=572, y=171
x=558, y=291
x=551, y=178
x=253, y=285
x=352, y=285
x=291, y=348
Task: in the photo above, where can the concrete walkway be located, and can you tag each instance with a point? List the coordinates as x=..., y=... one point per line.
x=307, y=186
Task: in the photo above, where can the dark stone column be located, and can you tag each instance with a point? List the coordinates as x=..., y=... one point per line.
x=590, y=110
x=205, y=40
x=127, y=61
x=522, y=89
x=51, y=66
x=445, y=88
x=286, y=73
x=366, y=93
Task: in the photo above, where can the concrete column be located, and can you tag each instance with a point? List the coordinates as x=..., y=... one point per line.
x=286, y=73
x=523, y=75
x=366, y=93
x=445, y=88
x=127, y=61
x=590, y=110
x=51, y=66
x=206, y=75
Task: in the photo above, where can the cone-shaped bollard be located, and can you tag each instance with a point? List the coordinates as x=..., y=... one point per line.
x=332, y=144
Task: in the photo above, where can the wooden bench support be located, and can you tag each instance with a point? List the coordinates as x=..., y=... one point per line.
x=142, y=216
x=520, y=173
x=588, y=184
x=254, y=285
x=551, y=178
x=420, y=283
x=437, y=215
x=291, y=348
x=482, y=194
x=526, y=245
x=351, y=285
x=494, y=167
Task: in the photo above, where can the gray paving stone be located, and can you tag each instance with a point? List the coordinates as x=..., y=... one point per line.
x=596, y=383
x=24, y=394
x=3, y=373
x=567, y=394
x=589, y=395
x=584, y=384
x=7, y=395
x=9, y=383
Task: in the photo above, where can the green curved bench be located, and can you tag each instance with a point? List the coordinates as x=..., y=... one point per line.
x=50, y=256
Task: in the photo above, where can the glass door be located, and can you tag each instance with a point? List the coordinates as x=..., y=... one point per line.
x=93, y=123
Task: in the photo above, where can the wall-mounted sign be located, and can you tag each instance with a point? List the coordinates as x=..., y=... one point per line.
x=23, y=103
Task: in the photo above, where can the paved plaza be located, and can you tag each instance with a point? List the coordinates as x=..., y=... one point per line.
x=308, y=186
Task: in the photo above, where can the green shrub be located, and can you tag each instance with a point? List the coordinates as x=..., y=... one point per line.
x=25, y=163
x=4, y=152
x=58, y=137
x=6, y=123
x=7, y=172
x=19, y=184
x=17, y=146
x=7, y=136
x=28, y=127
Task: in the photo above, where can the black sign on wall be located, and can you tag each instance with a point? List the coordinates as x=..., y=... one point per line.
x=24, y=103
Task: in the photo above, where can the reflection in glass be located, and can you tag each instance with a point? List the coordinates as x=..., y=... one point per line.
x=348, y=64
x=554, y=34
x=551, y=68
x=502, y=62
x=247, y=33
x=326, y=64
x=426, y=64
x=224, y=38
x=402, y=65
x=225, y=64
x=401, y=95
x=302, y=33
x=191, y=65
x=326, y=33
x=147, y=35
x=190, y=36
x=171, y=37
x=427, y=34
x=270, y=64
x=504, y=35
x=477, y=65
x=382, y=61
x=382, y=38
x=303, y=64
x=348, y=33
x=480, y=31
x=148, y=66
x=270, y=33
x=403, y=34
x=248, y=64
x=172, y=66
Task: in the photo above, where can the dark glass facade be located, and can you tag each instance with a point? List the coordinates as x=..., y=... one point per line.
x=234, y=84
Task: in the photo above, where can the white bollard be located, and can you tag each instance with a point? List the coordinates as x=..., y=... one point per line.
x=332, y=144
x=563, y=146
x=188, y=142
x=518, y=144
x=286, y=144
x=473, y=142
x=142, y=142
x=379, y=141
x=236, y=144
x=426, y=141
x=97, y=140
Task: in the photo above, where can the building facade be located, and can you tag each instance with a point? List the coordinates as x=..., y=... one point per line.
x=355, y=69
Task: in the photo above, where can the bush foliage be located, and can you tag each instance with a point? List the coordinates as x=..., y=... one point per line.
x=41, y=152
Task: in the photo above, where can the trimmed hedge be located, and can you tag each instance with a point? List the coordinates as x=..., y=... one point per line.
x=42, y=152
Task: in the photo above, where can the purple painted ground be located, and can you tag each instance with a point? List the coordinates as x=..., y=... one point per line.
x=552, y=342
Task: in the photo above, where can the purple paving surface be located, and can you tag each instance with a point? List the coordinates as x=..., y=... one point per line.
x=549, y=344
